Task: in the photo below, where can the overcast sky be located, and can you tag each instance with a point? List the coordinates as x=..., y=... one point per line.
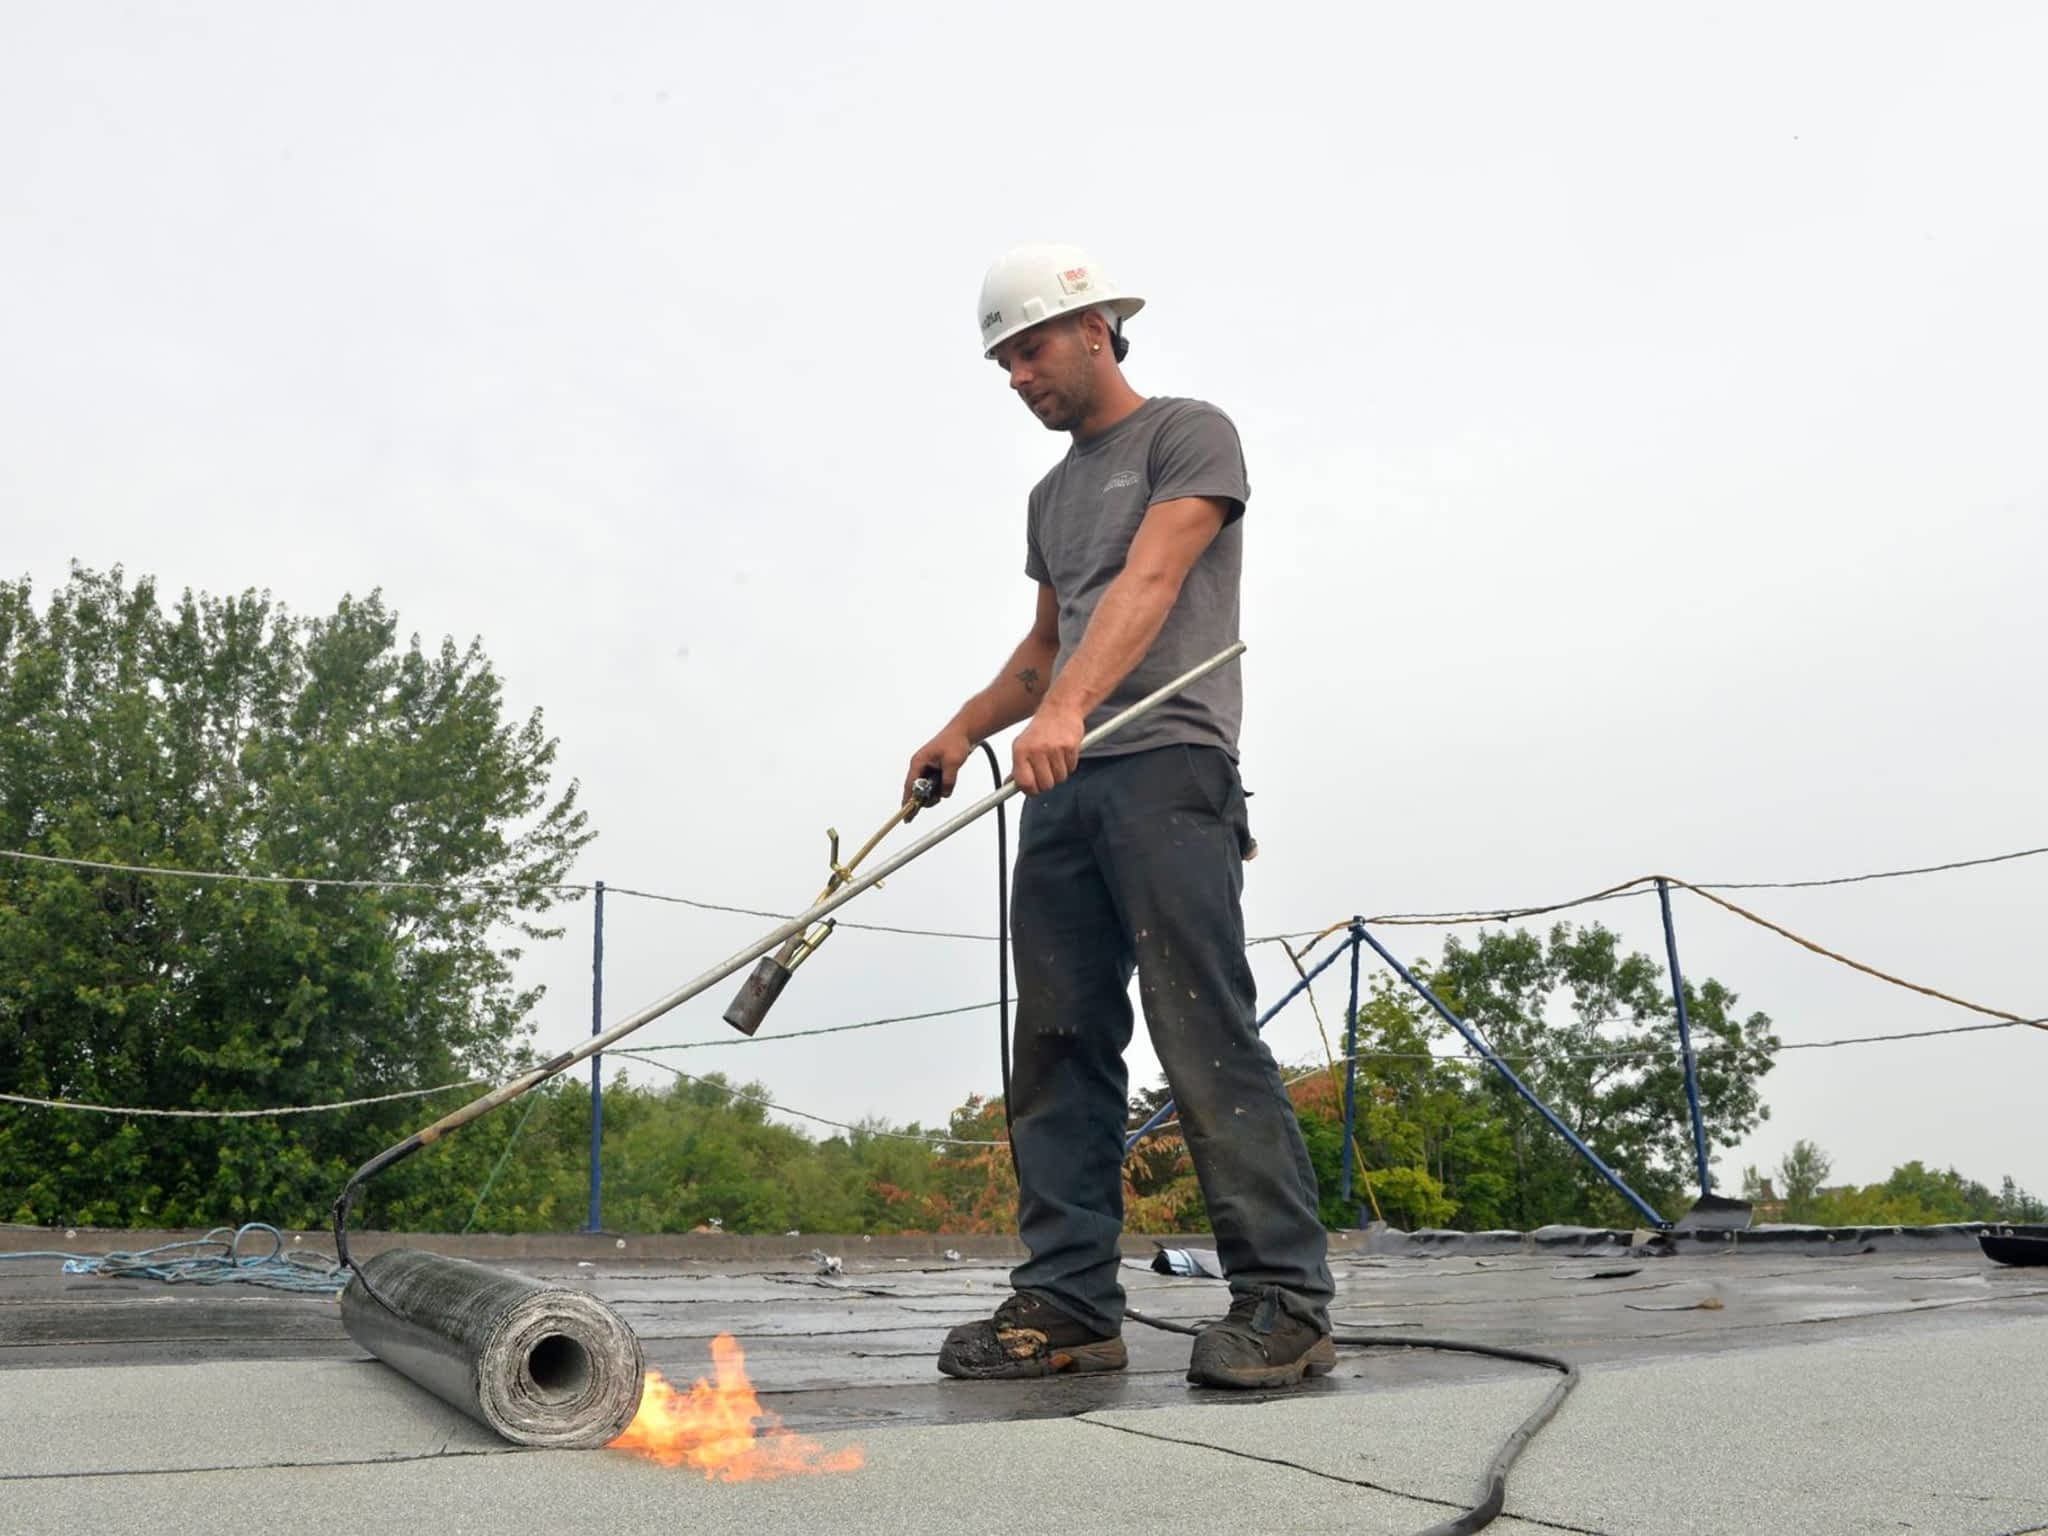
x=1644, y=409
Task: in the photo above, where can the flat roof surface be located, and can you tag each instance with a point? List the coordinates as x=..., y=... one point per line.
x=1744, y=1391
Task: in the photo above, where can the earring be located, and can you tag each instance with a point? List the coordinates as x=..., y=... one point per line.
x=1096, y=348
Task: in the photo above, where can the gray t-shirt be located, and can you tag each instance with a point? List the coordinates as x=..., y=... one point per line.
x=1083, y=516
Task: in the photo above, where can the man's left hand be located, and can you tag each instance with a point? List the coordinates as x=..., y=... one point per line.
x=1047, y=750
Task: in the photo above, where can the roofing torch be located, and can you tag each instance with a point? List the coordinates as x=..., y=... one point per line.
x=758, y=992
x=804, y=929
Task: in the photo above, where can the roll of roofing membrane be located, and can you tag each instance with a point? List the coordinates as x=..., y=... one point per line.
x=541, y=1365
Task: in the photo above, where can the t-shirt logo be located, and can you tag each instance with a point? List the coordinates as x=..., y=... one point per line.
x=1120, y=480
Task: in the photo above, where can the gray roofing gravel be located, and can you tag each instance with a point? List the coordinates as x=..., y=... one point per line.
x=1940, y=1432
x=154, y=1418
x=1944, y=1431
x=1049, y=1475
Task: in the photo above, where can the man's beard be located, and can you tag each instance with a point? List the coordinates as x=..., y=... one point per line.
x=1063, y=414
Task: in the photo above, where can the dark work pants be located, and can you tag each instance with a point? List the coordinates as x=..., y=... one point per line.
x=1136, y=863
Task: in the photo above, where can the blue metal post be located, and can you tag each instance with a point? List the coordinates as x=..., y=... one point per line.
x=1165, y=1111
x=1692, y=1074
x=597, y=1064
x=1473, y=1039
x=1351, y=1068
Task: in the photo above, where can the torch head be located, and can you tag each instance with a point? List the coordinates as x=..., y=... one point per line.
x=757, y=995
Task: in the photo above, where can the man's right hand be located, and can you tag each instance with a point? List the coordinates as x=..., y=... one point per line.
x=939, y=758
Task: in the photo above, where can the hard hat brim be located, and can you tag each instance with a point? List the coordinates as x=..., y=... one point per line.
x=1125, y=305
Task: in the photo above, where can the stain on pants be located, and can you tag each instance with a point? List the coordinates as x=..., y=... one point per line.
x=1135, y=865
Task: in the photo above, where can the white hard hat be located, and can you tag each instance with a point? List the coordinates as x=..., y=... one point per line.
x=1036, y=282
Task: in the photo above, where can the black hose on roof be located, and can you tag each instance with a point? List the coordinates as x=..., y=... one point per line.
x=1493, y=1497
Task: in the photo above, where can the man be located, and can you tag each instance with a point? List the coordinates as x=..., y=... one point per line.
x=1130, y=858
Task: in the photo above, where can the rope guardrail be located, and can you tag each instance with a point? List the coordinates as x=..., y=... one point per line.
x=1629, y=1053
x=721, y=1041
x=1467, y=1062
x=246, y=878
x=1641, y=885
x=1855, y=965
x=1645, y=884
x=783, y=917
x=315, y=882
x=1460, y=1059
x=1882, y=874
x=1448, y=918
x=932, y=1138
x=232, y=1114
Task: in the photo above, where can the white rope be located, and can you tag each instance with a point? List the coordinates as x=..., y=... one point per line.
x=744, y=1097
x=940, y=1139
x=248, y=879
x=1453, y=918
x=232, y=1114
x=1477, y=1063
x=1670, y=1046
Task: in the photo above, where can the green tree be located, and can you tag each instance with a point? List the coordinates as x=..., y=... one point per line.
x=227, y=733
x=1915, y=1195
x=2015, y=1204
x=1591, y=1030
x=1435, y=1149
x=1802, y=1172
x=1944, y=1193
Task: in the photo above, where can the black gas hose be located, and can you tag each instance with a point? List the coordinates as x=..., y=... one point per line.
x=1495, y=1486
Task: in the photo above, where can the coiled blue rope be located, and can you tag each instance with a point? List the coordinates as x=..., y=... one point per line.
x=215, y=1259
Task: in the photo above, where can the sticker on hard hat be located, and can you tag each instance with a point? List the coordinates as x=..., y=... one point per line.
x=1075, y=280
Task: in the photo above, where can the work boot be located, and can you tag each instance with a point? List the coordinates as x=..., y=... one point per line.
x=1260, y=1344
x=1027, y=1337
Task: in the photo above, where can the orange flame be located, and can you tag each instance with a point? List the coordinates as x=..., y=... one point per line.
x=720, y=1427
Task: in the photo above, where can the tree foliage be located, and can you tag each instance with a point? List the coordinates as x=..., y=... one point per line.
x=690, y=1155
x=1801, y=1173
x=1913, y=1196
x=1593, y=1032
x=229, y=734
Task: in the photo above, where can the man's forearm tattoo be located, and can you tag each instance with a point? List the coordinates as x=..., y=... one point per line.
x=1029, y=678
